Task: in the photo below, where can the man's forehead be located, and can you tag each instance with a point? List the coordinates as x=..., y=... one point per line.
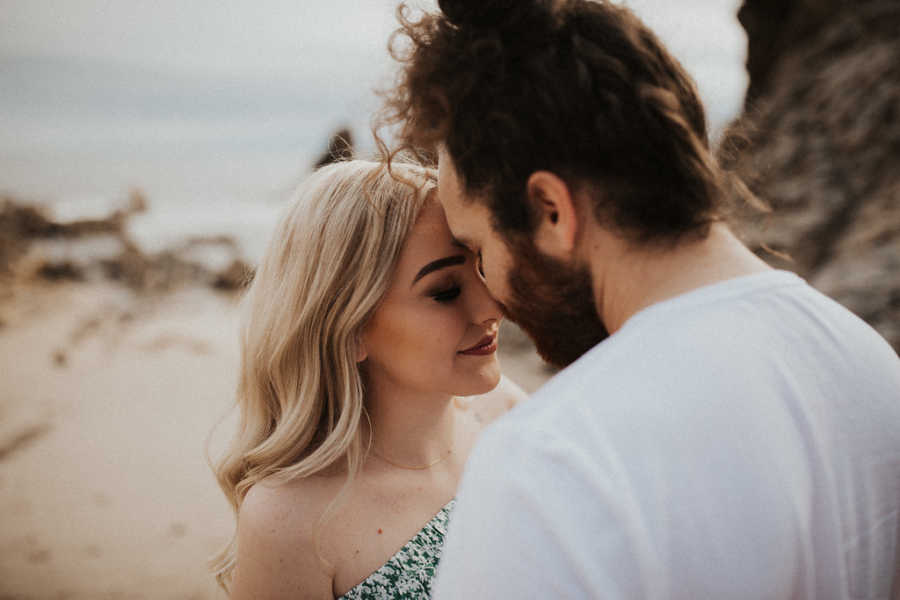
x=462, y=241
x=462, y=227
x=447, y=179
x=462, y=216
x=448, y=190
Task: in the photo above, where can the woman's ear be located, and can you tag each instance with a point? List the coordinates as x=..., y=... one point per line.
x=557, y=227
x=361, y=354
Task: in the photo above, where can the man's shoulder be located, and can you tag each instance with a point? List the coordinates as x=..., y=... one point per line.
x=558, y=413
x=599, y=376
x=676, y=363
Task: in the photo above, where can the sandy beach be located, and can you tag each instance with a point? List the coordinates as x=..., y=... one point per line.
x=107, y=403
x=108, y=398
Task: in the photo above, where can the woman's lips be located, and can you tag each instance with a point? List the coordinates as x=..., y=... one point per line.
x=487, y=345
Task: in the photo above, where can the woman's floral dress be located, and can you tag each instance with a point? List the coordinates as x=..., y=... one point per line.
x=409, y=573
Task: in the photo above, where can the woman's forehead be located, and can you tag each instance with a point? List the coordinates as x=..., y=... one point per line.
x=429, y=240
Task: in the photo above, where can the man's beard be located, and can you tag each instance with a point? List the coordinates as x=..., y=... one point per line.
x=553, y=302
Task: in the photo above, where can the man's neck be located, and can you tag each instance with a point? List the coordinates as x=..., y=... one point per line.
x=628, y=279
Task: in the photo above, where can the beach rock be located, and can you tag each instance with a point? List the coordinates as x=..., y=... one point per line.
x=90, y=247
x=819, y=142
x=236, y=277
x=777, y=27
x=340, y=147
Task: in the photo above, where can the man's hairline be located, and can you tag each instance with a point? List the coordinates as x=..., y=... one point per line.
x=578, y=187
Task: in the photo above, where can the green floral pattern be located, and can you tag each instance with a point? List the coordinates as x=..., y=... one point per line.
x=409, y=573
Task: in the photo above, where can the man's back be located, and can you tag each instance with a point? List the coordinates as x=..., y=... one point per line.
x=739, y=441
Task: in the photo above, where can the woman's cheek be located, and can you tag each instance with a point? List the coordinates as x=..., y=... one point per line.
x=440, y=333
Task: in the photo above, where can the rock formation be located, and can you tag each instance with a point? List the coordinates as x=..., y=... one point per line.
x=340, y=147
x=820, y=143
x=35, y=245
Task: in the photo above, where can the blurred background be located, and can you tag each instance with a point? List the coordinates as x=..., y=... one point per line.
x=225, y=105
x=146, y=149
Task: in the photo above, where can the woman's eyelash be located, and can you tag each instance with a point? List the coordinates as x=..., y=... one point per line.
x=448, y=295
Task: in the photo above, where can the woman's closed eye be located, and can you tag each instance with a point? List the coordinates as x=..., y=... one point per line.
x=446, y=294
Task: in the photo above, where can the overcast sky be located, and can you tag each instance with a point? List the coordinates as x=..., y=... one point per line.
x=247, y=70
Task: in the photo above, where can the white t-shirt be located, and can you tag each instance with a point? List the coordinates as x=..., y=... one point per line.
x=738, y=441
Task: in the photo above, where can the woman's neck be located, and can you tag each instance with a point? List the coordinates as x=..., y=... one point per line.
x=410, y=427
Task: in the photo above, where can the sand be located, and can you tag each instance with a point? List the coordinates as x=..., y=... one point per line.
x=106, y=403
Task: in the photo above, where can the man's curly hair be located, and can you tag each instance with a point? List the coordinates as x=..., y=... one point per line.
x=576, y=87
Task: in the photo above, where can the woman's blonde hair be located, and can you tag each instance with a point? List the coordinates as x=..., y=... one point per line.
x=327, y=267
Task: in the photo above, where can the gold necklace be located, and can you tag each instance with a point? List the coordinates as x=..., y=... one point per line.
x=416, y=468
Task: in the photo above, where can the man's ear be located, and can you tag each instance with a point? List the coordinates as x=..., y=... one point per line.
x=557, y=226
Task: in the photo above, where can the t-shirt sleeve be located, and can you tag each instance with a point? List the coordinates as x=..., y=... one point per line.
x=536, y=520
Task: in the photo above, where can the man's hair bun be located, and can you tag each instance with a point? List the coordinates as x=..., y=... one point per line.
x=486, y=13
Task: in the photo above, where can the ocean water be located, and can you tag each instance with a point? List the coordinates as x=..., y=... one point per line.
x=216, y=126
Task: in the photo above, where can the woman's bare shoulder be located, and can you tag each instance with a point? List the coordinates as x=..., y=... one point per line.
x=293, y=498
x=495, y=403
x=277, y=555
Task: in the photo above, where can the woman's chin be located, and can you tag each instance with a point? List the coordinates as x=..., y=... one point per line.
x=480, y=382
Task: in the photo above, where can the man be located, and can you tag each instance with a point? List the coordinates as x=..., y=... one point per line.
x=737, y=434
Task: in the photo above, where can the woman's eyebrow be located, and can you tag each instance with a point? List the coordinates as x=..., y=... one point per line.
x=435, y=265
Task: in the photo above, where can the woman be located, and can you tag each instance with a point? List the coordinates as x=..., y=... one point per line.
x=364, y=325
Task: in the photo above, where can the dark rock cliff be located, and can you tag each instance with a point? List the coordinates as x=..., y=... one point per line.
x=820, y=143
